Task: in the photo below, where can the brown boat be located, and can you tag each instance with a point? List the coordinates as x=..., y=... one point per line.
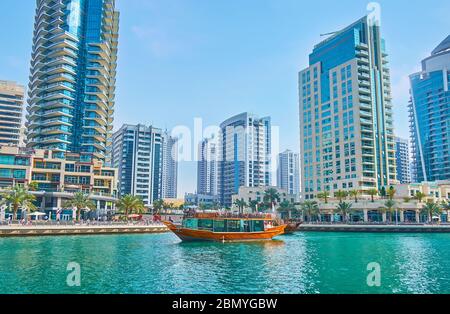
x=227, y=228
x=292, y=227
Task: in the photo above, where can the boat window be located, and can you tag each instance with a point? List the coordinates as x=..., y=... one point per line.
x=190, y=223
x=205, y=224
x=258, y=225
x=219, y=226
x=234, y=226
x=245, y=225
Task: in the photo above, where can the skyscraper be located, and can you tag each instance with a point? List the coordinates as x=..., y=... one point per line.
x=429, y=109
x=346, y=127
x=169, y=179
x=11, y=109
x=244, y=155
x=288, y=172
x=146, y=166
x=73, y=76
x=402, y=160
x=207, y=168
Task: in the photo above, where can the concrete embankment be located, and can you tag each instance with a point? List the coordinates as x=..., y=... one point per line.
x=25, y=231
x=376, y=228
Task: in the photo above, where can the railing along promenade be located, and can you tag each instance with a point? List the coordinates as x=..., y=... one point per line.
x=74, y=228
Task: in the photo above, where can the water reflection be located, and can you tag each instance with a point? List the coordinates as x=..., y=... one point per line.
x=300, y=263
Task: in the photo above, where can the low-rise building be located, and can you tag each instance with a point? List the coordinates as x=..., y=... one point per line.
x=57, y=179
x=201, y=200
x=256, y=194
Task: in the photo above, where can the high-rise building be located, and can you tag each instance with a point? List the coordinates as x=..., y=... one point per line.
x=429, y=109
x=169, y=179
x=288, y=172
x=244, y=155
x=402, y=160
x=207, y=168
x=11, y=110
x=73, y=77
x=346, y=127
x=146, y=167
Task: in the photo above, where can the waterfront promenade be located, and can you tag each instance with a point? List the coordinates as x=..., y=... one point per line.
x=79, y=229
x=382, y=228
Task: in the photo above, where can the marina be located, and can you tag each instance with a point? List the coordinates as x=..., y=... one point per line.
x=305, y=262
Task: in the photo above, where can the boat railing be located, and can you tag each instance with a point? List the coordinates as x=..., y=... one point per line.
x=229, y=216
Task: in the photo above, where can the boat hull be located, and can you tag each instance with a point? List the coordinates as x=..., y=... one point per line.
x=190, y=235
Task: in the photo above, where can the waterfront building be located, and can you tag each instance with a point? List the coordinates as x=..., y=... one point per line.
x=147, y=168
x=207, y=168
x=256, y=194
x=288, y=172
x=244, y=155
x=58, y=178
x=73, y=77
x=346, y=126
x=430, y=116
x=402, y=160
x=406, y=204
x=201, y=200
x=11, y=110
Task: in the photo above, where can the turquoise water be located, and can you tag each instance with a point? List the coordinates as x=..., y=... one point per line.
x=301, y=263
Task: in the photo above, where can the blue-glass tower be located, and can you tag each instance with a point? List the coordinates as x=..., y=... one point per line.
x=72, y=80
x=430, y=116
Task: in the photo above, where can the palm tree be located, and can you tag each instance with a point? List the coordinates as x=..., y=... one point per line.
x=80, y=202
x=340, y=195
x=310, y=208
x=271, y=197
x=324, y=195
x=431, y=209
x=253, y=205
x=372, y=193
x=354, y=194
x=287, y=207
x=18, y=196
x=240, y=204
x=129, y=203
x=158, y=205
x=419, y=196
x=33, y=186
x=389, y=207
x=344, y=209
x=391, y=193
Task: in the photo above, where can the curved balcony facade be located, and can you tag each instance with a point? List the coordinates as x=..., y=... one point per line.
x=72, y=77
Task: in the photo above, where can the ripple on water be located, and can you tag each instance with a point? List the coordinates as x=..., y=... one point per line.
x=300, y=263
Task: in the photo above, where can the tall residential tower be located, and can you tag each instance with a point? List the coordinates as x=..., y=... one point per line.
x=403, y=160
x=430, y=116
x=146, y=165
x=346, y=127
x=288, y=172
x=11, y=109
x=73, y=76
x=207, y=168
x=244, y=155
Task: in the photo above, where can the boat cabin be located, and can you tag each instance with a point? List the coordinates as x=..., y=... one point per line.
x=227, y=225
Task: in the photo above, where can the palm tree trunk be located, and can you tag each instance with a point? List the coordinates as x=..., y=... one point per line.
x=15, y=209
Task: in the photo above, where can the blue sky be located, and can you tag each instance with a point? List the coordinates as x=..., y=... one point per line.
x=181, y=59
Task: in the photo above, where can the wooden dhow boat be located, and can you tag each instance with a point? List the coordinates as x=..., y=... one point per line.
x=227, y=227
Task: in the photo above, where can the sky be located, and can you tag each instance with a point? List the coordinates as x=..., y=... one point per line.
x=186, y=59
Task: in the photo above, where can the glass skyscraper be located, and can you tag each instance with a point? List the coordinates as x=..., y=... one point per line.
x=147, y=165
x=244, y=155
x=403, y=160
x=73, y=76
x=346, y=126
x=430, y=116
